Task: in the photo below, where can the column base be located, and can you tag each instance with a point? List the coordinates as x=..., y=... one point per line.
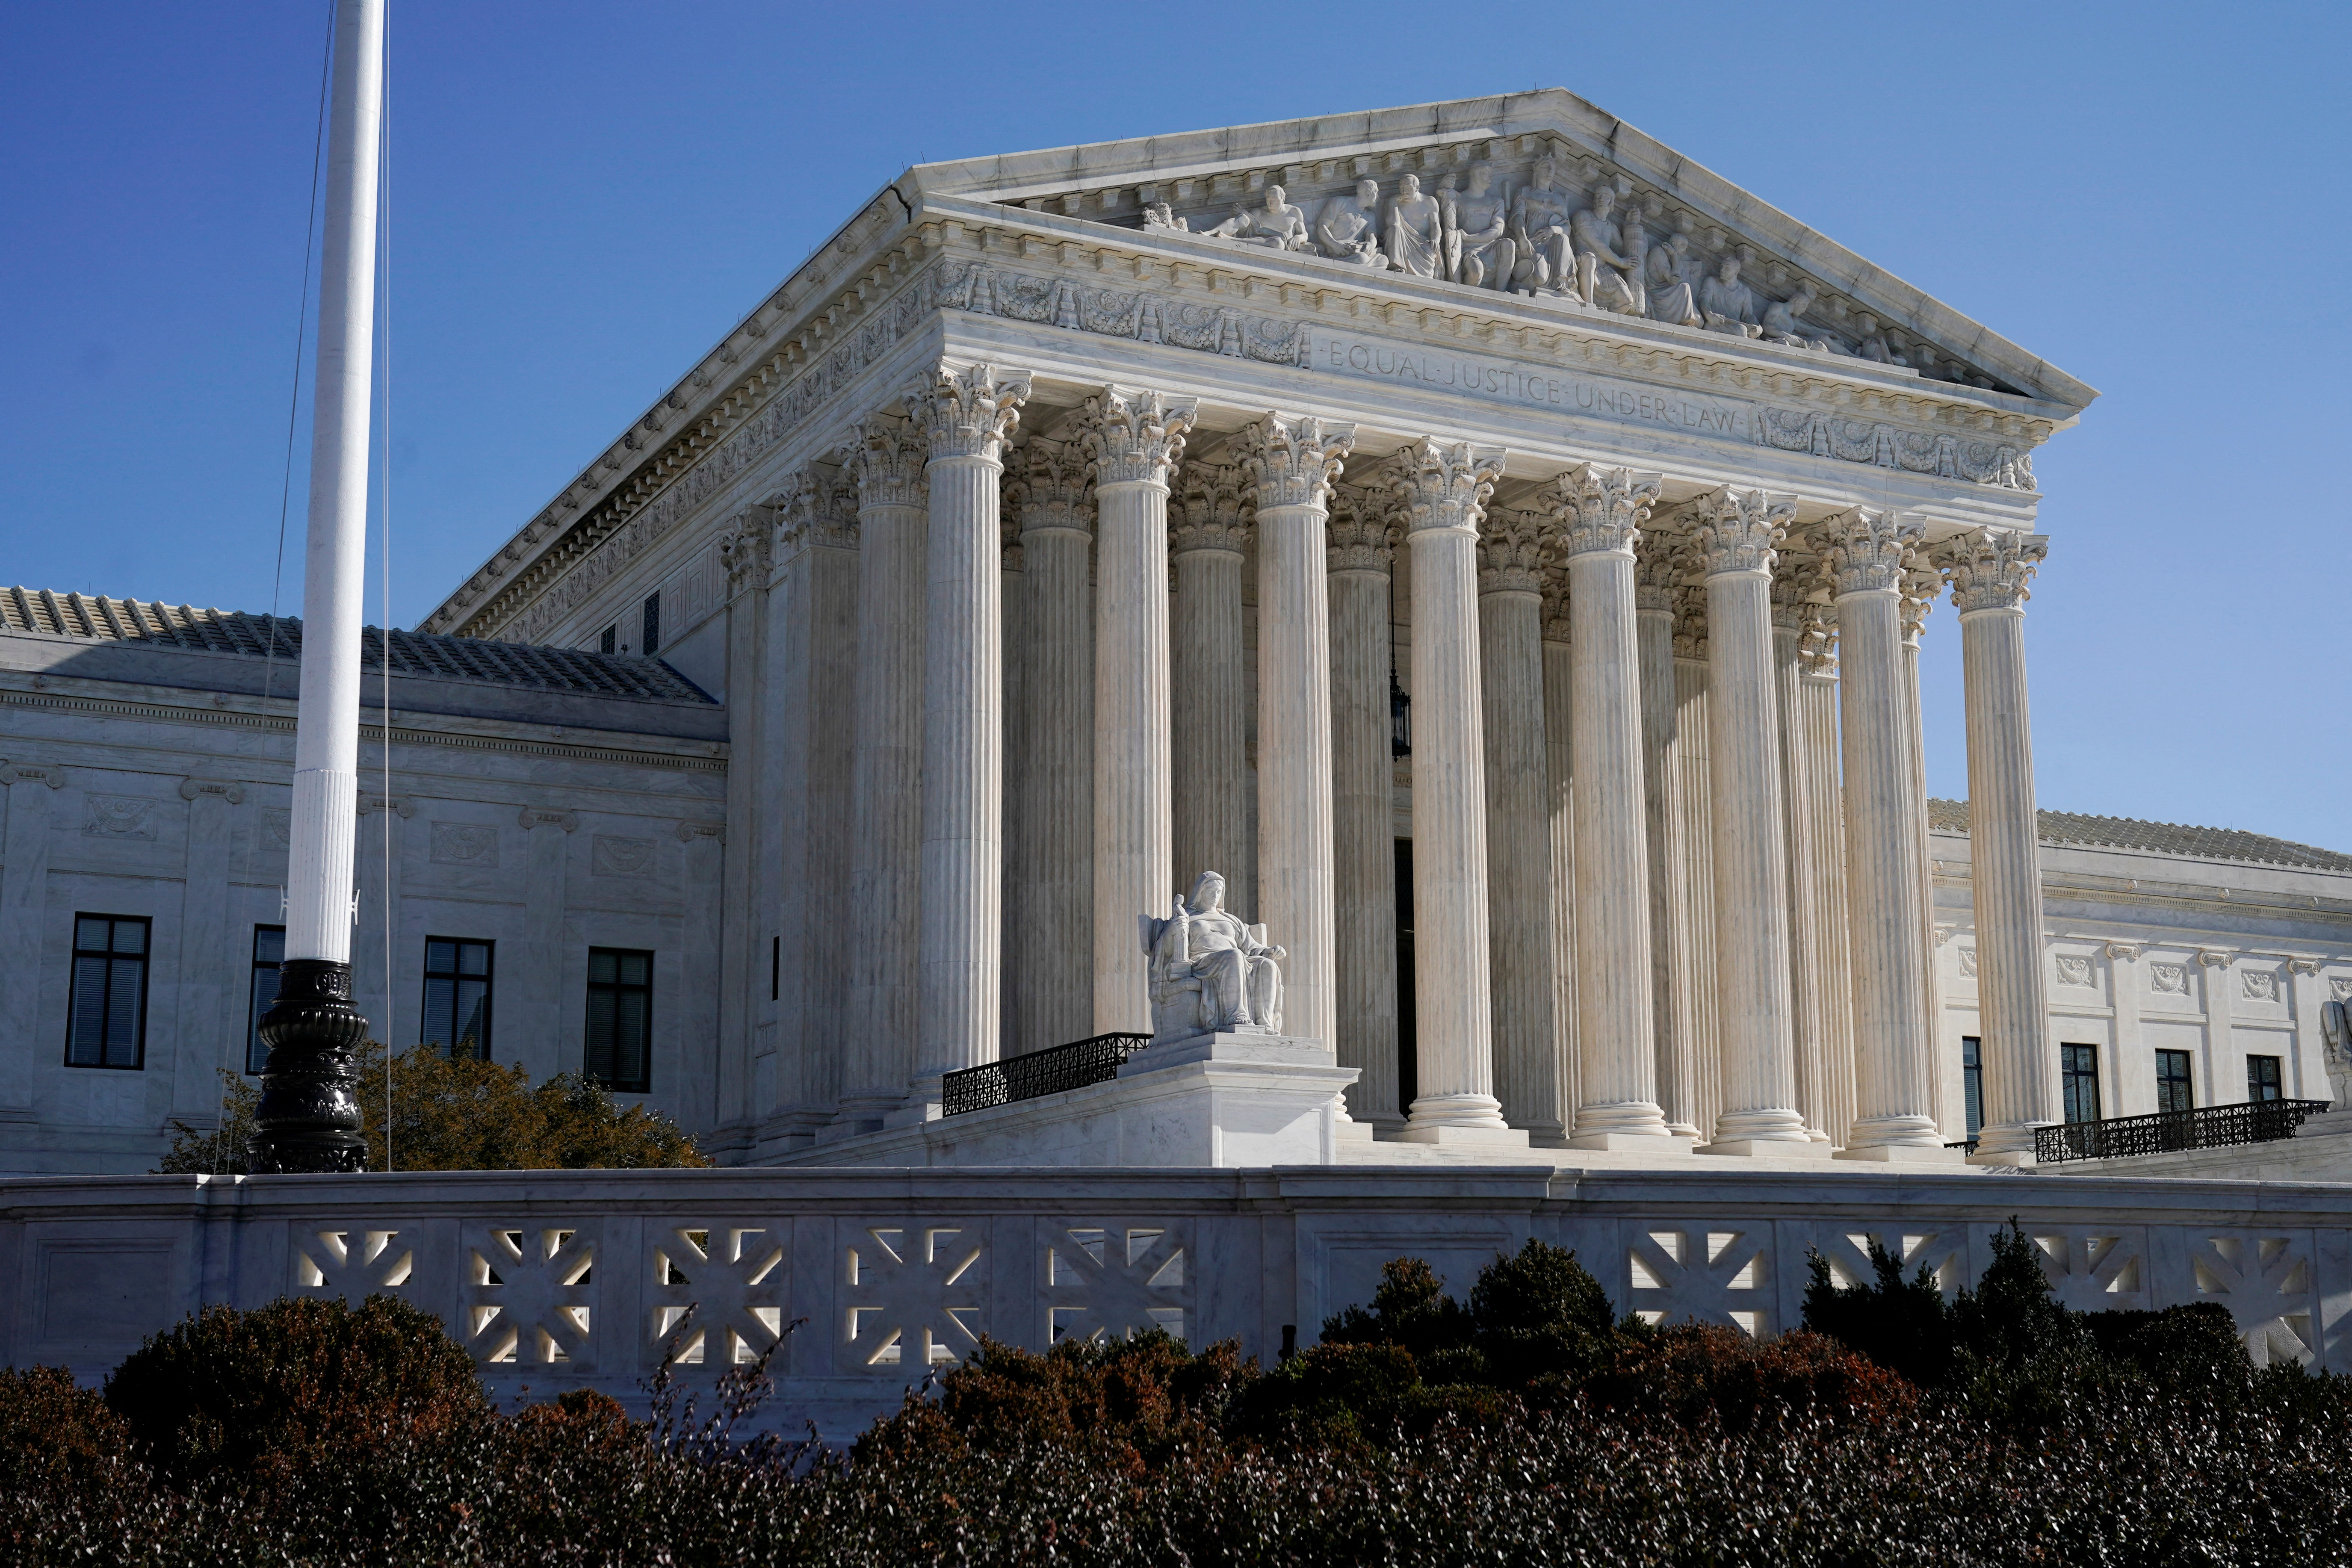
x=1662, y=1143
x=1447, y=1135
x=1903, y=1154
x=1767, y=1148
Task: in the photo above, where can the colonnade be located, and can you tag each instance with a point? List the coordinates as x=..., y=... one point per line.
x=1668, y=854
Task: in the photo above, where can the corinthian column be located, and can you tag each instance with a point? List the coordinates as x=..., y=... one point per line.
x=1131, y=439
x=1736, y=535
x=1363, y=833
x=1527, y=1070
x=1441, y=487
x=1817, y=690
x=1989, y=573
x=1808, y=973
x=885, y=771
x=1051, y=967
x=967, y=414
x=1209, y=687
x=1600, y=512
x=1656, y=582
x=1560, y=806
x=1895, y=1062
x=1290, y=463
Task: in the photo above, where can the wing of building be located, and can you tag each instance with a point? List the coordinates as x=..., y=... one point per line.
x=1494, y=544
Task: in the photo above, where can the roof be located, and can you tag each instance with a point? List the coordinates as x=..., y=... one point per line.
x=2156, y=837
x=36, y=612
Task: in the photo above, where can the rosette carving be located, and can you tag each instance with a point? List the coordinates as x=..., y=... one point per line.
x=1133, y=437
x=969, y=412
x=1599, y=509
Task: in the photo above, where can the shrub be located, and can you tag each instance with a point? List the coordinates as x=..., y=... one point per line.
x=1541, y=1319
x=276, y=1387
x=1694, y=1371
x=456, y=1113
x=1905, y=1325
x=53, y=1432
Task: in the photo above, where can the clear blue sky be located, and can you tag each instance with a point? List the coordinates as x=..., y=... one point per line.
x=586, y=195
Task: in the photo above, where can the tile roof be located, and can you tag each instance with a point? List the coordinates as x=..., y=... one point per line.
x=2158, y=837
x=40, y=613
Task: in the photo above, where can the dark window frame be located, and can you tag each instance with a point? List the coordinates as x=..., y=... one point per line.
x=649, y=624
x=109, y=955
x=611, y=641
x=1972, y=1083
x=458, y=976
x=620, y=989
x=256, y=1054
x=2263, y=1086
x=2185, y=1078
x=2078, y=1074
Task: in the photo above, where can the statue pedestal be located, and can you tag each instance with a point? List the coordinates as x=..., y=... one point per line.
x=1234, y=1098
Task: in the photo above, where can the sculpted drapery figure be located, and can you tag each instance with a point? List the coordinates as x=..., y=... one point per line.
x=1159, y=214
x=1671, y=296
x=1479, y=251
x=1605, y=280
x=1729, y=305
x=1539, y=228
x=1278, y=224
x=1784, y=320
x=1414, y=230
x=1347, y=229
x=1210, y=970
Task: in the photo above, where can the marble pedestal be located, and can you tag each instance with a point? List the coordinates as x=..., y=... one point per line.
x=1906, y=1155
x=1767, y=1148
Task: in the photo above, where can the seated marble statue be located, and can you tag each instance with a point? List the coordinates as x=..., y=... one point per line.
x=1605, y=280
x=1209, y=971
x=1347, y=230
x=1278, y=224
x=2335, y=1035
x=1414, y=229
x=1729, y=305
x=1479, y=251
x=1784, y=320
x=1159, y=214
x=1874, y=345
x=1672, y=298
x=1539, y=227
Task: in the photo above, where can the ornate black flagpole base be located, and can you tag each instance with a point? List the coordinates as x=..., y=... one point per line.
x=309, y=1119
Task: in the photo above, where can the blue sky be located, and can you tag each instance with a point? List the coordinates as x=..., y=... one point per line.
x=585, y=196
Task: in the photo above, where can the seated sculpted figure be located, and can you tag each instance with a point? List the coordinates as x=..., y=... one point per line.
x=1671, y=296
x=1728, y=304
x=1209, y=971
x=1414, y=230
x=1539, y=219
x=1347, y=229
x=1605, y=280
x=1278, y=224
x=1479, y=252
x=1784, y=320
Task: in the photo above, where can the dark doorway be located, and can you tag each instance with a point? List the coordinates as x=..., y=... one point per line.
x=1408, y=1084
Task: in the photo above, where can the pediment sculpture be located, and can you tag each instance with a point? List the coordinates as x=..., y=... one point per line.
x=1210, y=972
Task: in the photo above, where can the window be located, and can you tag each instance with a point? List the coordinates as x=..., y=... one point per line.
x=2263, y=1079
x=650, y=643
x=2173, y=1089
x=106, y=1017
x=620, y=1018
x=612, y=639
x=1972, y=1082
x=457, y=996
x=2078, y=1067
x=268, y=954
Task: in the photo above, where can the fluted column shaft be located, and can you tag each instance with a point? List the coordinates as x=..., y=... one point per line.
x=1559, y=806
x=1600, y=512
x=1363, y=833
x=1132, y=438
x=1291, y=463
x=1818, y=697
x=1443, y=487
x=885, y=769
x=967, y=414
x=1736, y=535
x=1808, y=994
x=1990, y=576
x=1895, y=1063
x=1209, y=691
x=1671, y=958
x=1528, y=1072
x=1052, y=965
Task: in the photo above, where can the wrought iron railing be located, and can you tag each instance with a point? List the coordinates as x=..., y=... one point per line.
x=2207, y=1126
x=1049, y=1071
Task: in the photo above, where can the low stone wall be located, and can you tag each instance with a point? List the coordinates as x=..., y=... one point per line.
x=566, y=1278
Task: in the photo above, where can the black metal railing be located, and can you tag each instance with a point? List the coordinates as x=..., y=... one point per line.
x=2207, y=1126
x=1049, y=1071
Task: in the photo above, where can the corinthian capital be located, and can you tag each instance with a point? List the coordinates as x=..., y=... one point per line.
x=1214, y=512
x=1361, y=536
x=1740, y=530
x=1920, y=584
x=1657, y=573
x=1048, y=488
x=1556, y=607
x=1443, y=485
x=1991, y=569
x=1510, y=553
x=1293, y=461
x=887, y=461
x=1598, y=510
x=1134, y=437
x=815, y=506
x=969, y=412
x=1866, y=549
x=743, y=551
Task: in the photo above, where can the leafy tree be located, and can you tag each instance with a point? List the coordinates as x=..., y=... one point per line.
x=455, y=1113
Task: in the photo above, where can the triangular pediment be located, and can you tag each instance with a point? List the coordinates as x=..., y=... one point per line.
x=1662, y=201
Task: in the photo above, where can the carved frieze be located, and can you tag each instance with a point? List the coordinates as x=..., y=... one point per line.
x=612, y=855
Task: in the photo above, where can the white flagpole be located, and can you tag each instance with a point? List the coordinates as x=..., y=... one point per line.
x=309, y=1119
